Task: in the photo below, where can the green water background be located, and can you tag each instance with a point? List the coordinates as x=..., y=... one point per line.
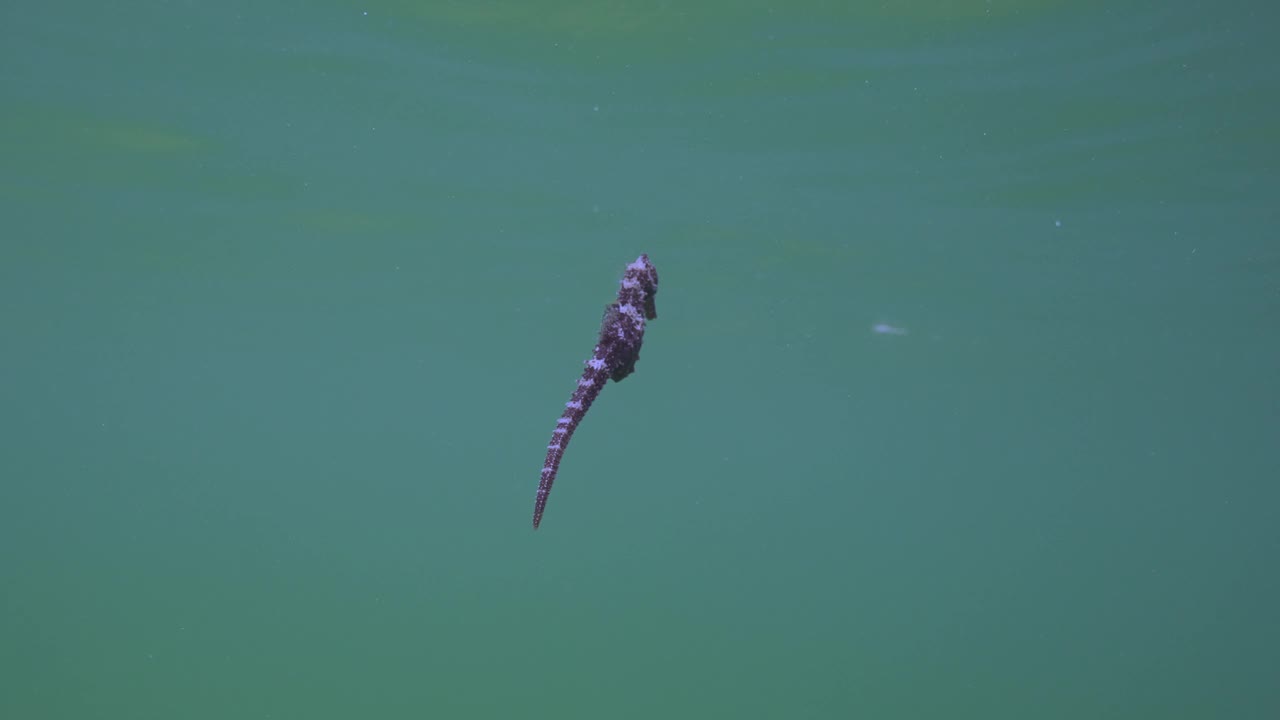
x=292, y=293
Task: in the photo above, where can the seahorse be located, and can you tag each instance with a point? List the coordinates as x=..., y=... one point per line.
x=614, y=358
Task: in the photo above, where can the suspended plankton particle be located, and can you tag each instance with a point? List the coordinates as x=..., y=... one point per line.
x=887, y=329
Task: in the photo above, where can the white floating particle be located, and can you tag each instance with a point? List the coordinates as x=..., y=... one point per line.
x=887, y=329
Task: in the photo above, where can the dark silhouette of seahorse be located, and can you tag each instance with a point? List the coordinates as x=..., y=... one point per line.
x=615, y=356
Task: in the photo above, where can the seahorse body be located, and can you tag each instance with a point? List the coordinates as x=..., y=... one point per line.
x=615, y=356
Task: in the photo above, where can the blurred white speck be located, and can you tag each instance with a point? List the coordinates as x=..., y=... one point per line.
x=887, y=329
x=1057, y=223
x=595, y=108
